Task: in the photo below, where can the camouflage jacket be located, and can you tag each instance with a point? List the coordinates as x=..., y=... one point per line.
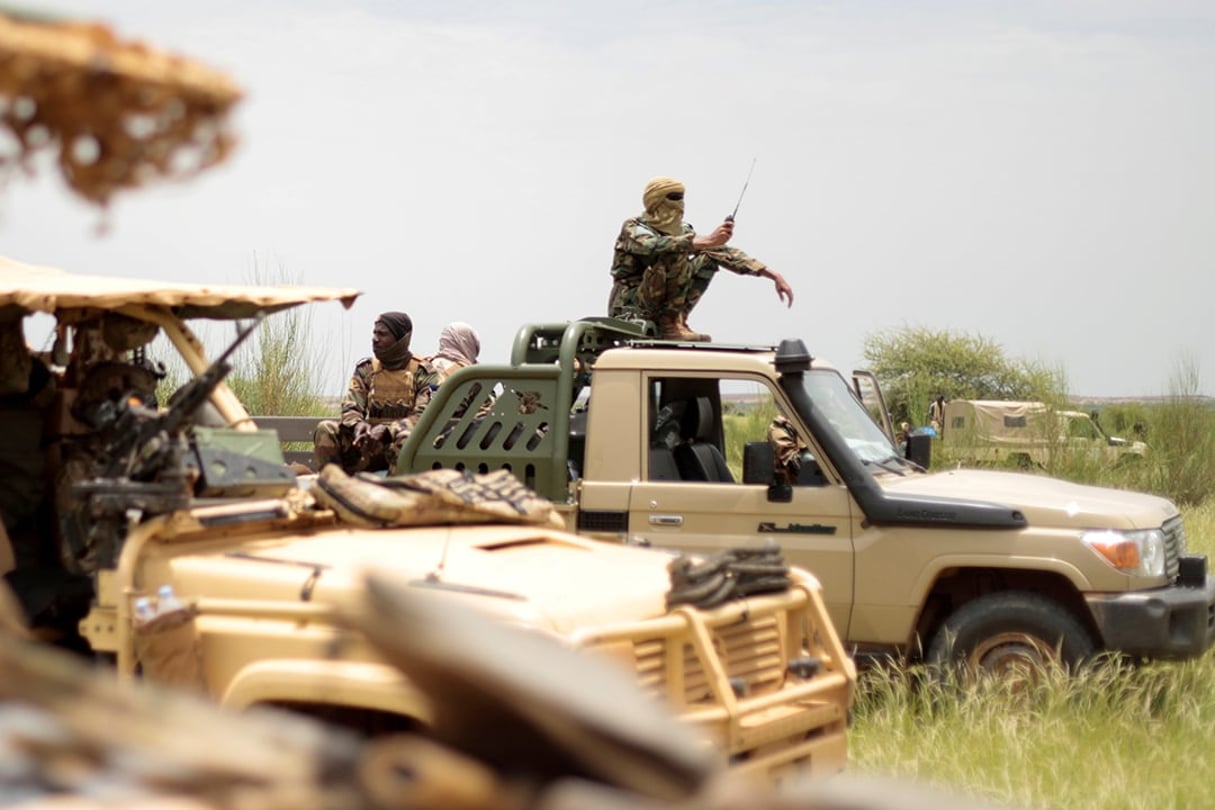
x=787, y=446
x=639, y=247
x=395, y=397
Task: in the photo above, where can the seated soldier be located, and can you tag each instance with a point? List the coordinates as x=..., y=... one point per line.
x=459, y=346
x=387, y=395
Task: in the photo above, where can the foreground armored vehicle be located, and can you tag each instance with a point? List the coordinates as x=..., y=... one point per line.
x=647, y=442
x=258, y=565
x=520, y=722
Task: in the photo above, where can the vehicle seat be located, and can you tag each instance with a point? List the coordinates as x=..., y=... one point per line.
x=698, y=458
x=664, y=436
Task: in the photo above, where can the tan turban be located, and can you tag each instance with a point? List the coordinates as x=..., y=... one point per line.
x=665, y=216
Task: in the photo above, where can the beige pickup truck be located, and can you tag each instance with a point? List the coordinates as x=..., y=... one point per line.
x=1028, y=434
x=645, y=442
x=108, y=498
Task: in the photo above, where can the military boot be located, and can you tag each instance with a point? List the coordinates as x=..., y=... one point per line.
x=670, y=327
x=699, y=337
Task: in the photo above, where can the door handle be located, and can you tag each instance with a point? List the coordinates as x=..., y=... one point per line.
x=666, y=520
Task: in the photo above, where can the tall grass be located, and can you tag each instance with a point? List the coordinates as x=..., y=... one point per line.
x=743, y=426
x=1182, y=438
x=1115, y=737
x=277, y=371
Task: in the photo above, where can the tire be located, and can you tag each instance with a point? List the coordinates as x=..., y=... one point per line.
x=1001, y=633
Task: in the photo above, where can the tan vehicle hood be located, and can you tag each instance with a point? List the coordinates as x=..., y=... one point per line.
x=1044, y=501
x=533, y=575
x=45, y=289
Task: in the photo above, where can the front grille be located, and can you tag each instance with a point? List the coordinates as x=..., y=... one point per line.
x=726, y=670
x=1174, y=545
x=749, y=651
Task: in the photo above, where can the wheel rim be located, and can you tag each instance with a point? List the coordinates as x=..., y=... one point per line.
x=1010, y=653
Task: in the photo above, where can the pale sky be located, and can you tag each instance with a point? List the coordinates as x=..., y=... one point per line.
x=1040, y=173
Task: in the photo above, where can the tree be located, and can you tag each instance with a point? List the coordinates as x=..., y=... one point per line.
x=916, y=364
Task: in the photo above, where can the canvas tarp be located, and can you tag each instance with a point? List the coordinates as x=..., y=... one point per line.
x=996, y=421
x=45, y=289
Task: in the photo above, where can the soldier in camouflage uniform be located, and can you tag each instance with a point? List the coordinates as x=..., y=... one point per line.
x=661, y=267
x=787, y=447
x=387, y=395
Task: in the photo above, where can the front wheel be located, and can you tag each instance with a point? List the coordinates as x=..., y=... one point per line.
x=1003, y=633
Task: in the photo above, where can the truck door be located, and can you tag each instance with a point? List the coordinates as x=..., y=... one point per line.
x=870, y=394
x=691, y=495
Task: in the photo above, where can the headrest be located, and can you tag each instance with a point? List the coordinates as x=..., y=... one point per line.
x=697, y=423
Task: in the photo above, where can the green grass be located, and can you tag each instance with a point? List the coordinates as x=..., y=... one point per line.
x=1113, y=738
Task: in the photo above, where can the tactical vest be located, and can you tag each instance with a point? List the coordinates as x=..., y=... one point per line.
x=391, y=392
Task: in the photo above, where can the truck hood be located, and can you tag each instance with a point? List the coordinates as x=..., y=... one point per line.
x=1044, y=501
x=534, y=576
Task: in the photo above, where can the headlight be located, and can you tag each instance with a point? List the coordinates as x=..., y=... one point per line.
x=1140, y=553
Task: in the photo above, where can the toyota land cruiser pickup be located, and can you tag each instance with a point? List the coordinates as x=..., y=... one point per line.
x=646, y=442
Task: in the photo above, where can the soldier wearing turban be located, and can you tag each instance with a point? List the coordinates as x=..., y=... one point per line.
x=388, y=393
x=661, y=267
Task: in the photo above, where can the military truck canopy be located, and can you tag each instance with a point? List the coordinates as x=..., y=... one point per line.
x=997, y=421
x=32, y=288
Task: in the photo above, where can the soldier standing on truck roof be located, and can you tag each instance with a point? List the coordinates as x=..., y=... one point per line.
x=661, y=266
x=387, y=395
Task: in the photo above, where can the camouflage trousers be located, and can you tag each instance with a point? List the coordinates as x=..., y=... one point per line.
x=333, y=443
x=663, y=289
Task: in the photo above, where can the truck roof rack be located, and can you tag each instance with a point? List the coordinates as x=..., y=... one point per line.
x=584, y=339
x=587, y=338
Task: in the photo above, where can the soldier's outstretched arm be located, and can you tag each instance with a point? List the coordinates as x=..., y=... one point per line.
x=783, y=290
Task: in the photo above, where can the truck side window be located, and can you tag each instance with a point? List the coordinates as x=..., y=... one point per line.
x=700, y=427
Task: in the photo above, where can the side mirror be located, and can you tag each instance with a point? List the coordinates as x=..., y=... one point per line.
x=759, y=463
x=759, y=467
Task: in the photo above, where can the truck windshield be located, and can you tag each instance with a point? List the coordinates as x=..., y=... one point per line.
x=831, y=394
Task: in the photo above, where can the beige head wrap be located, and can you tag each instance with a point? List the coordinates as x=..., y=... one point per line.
x=458, y=345
x=662, y=214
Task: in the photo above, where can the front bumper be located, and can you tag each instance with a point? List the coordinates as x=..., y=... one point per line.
x=1174, y=622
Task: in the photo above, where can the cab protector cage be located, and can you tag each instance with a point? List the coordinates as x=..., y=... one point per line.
x=487, y=417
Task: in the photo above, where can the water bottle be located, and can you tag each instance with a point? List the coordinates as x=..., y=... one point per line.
x=167, y=600
x=145, y=611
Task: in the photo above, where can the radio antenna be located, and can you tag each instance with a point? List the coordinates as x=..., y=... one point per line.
x=746, y=183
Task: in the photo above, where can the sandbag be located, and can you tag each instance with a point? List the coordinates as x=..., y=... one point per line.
x=435, y=497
